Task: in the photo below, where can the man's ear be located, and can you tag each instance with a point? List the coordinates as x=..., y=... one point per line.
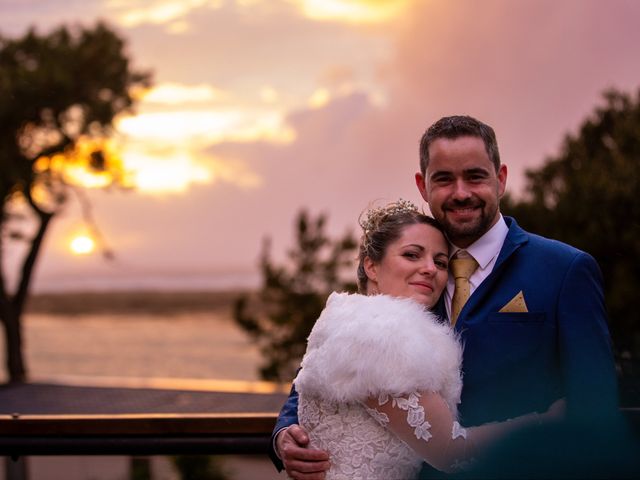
x=502, y=180
x=422, y=187
x=370, y=269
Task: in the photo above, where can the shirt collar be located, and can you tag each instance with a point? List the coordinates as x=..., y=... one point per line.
x=488, y=246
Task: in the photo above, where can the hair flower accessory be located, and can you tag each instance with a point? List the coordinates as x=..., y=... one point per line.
x=374, y=216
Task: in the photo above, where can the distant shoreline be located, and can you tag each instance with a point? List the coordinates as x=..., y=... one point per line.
x=157, y=302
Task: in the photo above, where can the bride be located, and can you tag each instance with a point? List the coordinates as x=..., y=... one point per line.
x=380, y=380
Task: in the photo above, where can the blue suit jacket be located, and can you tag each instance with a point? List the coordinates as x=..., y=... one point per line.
x=515, y=363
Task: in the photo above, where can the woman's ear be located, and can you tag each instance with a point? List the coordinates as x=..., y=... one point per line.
x=370, y=269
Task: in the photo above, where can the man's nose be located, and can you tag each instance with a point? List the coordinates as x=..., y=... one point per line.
x=461, y=190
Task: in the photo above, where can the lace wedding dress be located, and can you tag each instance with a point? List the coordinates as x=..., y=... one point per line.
x=365, y=347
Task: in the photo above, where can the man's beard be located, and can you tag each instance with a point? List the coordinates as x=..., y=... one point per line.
x=467, y=232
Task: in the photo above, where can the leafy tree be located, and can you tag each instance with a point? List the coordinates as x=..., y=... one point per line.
x=281, y=315
x=59, y=94
x=587, y=196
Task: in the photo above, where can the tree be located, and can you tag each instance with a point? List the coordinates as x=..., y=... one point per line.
x=587, y=196
x=59, y=94
x=293, y=294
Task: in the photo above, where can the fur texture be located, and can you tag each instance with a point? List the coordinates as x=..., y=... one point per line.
x=363, y=346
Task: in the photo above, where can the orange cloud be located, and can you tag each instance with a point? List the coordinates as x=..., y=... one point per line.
x=131, y=13
x=352, y=11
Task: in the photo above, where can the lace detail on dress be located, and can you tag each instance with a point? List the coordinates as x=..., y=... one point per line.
x=416, y=419
x=415, y=413
x=462, y=465
x=458, y=431
x=359, y=446
x=380, y=417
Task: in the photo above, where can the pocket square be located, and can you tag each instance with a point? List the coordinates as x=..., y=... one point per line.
x=515, y=305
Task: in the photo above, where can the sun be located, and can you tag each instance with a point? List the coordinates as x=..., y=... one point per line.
x=82, y=245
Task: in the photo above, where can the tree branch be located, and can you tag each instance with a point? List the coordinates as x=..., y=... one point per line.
x=87, y=215
x=30, y=259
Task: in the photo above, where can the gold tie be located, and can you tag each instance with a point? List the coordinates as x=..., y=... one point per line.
x=462, y=268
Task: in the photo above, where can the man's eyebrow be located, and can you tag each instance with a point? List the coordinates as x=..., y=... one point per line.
x=476, y=170
x=468, y=171
x=439, y=173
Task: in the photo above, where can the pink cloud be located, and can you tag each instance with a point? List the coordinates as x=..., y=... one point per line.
x=532, y=69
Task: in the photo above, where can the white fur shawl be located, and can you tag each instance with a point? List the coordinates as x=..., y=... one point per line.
x=362, y=346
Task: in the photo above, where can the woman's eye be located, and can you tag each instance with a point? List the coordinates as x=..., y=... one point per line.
x=410, y=255
x=441, y=264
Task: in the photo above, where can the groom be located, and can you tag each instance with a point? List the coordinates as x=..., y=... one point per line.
x=534, y=327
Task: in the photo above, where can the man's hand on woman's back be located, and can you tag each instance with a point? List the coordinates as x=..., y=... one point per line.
x=300, y=461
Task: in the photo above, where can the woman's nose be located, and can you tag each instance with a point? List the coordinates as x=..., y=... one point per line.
x=428, y=267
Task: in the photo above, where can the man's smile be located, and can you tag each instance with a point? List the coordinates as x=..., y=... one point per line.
x=463, y=212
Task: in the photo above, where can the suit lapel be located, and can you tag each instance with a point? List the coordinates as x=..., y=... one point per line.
x=516, y=237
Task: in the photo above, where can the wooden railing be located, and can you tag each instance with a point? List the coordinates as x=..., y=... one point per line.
x=150, y=434
x=146, y=434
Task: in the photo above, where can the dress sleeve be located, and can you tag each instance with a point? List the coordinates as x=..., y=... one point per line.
x=424, y=421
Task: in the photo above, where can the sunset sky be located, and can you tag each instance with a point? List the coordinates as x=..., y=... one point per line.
x=262, y=107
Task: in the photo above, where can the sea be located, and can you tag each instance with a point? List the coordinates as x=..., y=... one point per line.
x=182, y=350
x=185, y=345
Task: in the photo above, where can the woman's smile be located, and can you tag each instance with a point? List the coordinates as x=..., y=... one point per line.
x=422, y=286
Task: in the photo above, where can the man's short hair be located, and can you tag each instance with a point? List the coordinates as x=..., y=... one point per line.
x=455, y=127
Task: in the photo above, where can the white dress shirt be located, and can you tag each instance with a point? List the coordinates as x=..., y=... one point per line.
x=485, y=250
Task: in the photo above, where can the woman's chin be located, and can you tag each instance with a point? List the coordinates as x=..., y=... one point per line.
x=423, y=299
